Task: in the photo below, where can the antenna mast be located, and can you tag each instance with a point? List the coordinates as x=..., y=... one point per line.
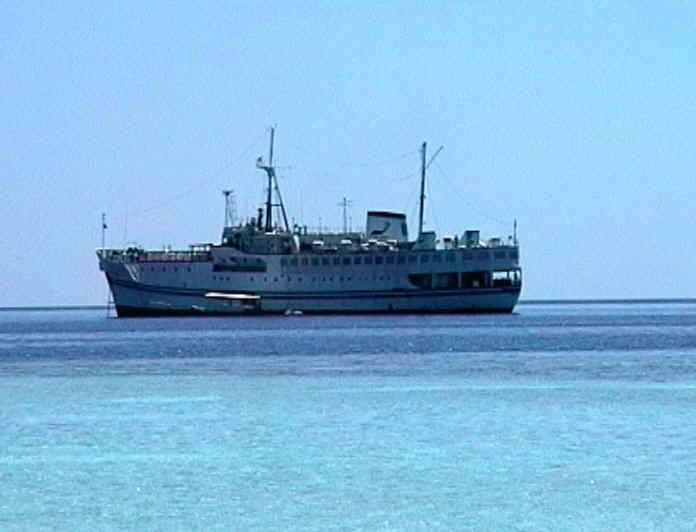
x=345, y=204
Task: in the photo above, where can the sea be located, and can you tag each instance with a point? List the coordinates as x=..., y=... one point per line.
x=557, y=417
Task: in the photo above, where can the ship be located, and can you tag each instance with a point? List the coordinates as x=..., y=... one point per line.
x=264, y=266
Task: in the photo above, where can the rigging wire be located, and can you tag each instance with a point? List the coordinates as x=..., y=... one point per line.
x=353, y=164
x=203, y=182
x=382, y=162
x=469, y=203
x=411, y=206
x=321, y=178
x=432, y=210
x=404, y=178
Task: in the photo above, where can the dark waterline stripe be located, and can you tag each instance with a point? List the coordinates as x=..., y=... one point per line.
x=668, y=301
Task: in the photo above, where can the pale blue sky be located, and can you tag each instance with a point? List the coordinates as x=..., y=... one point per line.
x=578, y=119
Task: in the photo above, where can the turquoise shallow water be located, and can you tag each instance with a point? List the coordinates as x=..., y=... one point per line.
x=558, y=418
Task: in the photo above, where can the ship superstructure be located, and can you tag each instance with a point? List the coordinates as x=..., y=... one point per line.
x=264, y=267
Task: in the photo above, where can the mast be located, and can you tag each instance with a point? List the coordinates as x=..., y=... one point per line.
x=422, y=194
x=424, y=167
x=270, y=171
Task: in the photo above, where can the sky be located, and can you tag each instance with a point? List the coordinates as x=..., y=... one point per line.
x=574, y=118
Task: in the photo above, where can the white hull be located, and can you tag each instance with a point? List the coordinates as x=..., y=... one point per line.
x=142, y=300
x=193, y=288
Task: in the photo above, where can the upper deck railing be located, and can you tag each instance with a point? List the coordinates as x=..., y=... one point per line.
x=139, y=255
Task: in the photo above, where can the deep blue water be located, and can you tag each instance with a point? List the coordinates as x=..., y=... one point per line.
x=560, y=417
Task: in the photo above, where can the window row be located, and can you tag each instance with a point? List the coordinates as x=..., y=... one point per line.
x=466, y=280
x=313, y=279
x=172, y=268
x=397, y=258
